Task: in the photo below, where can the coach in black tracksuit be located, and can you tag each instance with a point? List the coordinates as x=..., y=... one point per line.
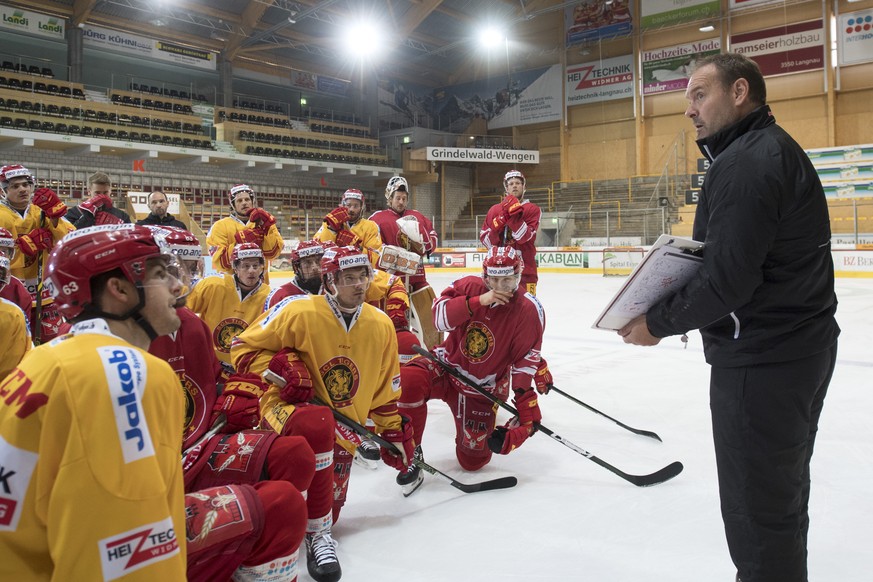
x=764, y=303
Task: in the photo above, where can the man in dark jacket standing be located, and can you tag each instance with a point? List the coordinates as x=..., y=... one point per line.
x=764, y=303
x=158, y=205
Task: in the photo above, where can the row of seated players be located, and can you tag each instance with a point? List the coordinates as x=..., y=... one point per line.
x=309, y=155
x=34, y=70
x=87, y=131
x=41, y=87
x=173, y=93
x=289, y=140
x=152, y=104
x=85, y=114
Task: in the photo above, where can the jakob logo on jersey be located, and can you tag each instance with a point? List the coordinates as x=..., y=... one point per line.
x=341, y=377
x=126, y=378
x=478, y=343
x=137, y=548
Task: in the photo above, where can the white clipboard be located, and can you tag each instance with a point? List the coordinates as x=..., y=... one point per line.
x=666, y=268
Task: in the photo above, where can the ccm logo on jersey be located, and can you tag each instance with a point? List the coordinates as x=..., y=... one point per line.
x=137, y=548
x=126, y=376
x=16, y=468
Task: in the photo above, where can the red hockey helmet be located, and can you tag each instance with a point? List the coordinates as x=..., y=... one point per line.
x=502, y=262
x=4, y=271
x=246, y=251
x=354, y=194
x=86, y=253
x=513, y=174
x=7, y=243
x=338, y=259
x=306, y=249
x=11, y=171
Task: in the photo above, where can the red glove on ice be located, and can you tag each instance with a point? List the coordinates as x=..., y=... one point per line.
x=507, y=438
x=38, y=239
x=543, y=378
x=95, y=203
x=298, y=382
x=346, y=238
x=48, y=201
x=263, y=220
x=239, y=402
x=511, y=205
x=336, y=218
x=404, y=441
x=247, y=235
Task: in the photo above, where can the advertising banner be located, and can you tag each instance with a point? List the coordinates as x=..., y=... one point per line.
x=18, y=20
x=855, y=37
x=602, y=80
x=97, y=37
x=785, y=49
x=140, y=202
x=536, y=103
x=669, y=12
x=593, y=20
x=669, y=68
x=740, y=4
x=443, y=154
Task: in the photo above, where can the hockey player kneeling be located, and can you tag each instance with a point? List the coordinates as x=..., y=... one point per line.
x=495, y=331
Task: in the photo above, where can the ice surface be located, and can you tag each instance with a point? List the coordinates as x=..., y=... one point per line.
x=568, y=518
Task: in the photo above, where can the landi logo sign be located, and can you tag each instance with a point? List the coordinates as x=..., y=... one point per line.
x=51, y=26
x=17, y=18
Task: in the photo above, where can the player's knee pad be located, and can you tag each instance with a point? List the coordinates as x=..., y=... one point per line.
x=291, y=459
x=315, y=424
x=284, y=530
x=472, y=460
x=415, y=380
x=342, y=468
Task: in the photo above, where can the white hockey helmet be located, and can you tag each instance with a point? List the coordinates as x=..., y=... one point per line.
x=395, y=184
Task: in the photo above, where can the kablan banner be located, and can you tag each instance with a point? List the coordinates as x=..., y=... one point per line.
x=18, y=20
x=670, y=12
x=603, y=80
x=785, y=49
x=669, y=68
x=593, y=20
x=855, y=37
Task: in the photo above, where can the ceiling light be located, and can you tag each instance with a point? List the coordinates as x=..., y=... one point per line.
x=491, y=37
x=708, y=27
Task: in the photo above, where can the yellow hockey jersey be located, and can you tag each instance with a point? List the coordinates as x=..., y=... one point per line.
x=220, y=242
x=24, y=267
x=216, y=299
x=15, y=340
x=364, y=229
x=354, y=368
x=89, y=448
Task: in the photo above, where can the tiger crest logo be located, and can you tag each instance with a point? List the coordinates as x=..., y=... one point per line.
x=341, y=378
x=225, y=331
x=478, y=342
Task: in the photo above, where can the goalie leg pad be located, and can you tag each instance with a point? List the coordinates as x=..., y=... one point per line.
x=421, y=306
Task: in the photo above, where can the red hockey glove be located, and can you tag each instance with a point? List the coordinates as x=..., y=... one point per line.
x=263, y=220
x=396, y=310
x=298, y=381
x=239, y=402
x=48, y=201
x=499, y=221
x=346, y=238
x=511, y=205
x=543, y=378
x=38, y=239
x=95, y=203
x=506, y=438
x=404, y=441
x=336, y=218
x=247, y=235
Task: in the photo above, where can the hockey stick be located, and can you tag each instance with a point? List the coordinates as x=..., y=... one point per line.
x=499, y=483
x=217, y=426
x=645, y=433
x=37, y=309
x=658, y=476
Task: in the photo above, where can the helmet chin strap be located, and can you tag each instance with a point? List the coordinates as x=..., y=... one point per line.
x=135, y=313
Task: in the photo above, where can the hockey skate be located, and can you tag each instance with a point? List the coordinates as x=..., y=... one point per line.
x=321, y=559
x=412, y=478
x=367, y=454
